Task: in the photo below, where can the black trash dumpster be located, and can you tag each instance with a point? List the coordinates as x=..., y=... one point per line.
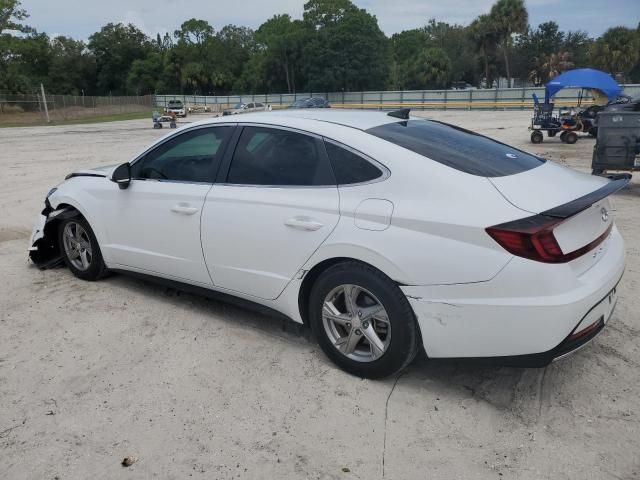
x=618, y=143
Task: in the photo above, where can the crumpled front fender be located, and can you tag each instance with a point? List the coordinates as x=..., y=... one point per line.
x=44, y=249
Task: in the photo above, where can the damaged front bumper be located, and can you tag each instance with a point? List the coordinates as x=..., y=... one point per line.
x=44, y=247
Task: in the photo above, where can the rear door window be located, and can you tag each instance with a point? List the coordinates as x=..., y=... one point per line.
x=457, y=148
x=275, y=157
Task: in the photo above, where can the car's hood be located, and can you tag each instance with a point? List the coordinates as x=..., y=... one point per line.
x=103, y=171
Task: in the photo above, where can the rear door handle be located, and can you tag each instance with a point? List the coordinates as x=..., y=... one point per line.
x=303, y=223
x=184, y=209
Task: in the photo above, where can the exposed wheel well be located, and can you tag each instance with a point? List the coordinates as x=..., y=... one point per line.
x=311, y=277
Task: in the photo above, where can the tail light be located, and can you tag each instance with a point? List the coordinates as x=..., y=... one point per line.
x=532, y=238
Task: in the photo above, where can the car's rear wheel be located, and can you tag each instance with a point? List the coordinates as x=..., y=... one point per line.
x=80, y=249
x=363, y=321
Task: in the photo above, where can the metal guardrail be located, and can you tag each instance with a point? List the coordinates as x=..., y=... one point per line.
x=485, y=99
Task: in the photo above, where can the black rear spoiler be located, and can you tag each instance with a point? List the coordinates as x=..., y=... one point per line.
x=579, y=204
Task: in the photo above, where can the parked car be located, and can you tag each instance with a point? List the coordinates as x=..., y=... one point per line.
x=176, y=107
x=311, y=102
x=385, y=233
x=245, y=108
x=462, y=86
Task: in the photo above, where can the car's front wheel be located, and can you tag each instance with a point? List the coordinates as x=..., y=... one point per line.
x=363, y=321
x=80, y=249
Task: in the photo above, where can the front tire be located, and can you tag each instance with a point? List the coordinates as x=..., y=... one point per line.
x=80, y=249
x=363, y=321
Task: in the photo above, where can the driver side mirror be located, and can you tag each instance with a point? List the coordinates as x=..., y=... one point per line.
x=122, y=175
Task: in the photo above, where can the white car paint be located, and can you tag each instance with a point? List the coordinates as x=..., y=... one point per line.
x=423, y=225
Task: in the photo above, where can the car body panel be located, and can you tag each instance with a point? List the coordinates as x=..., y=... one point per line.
x=529, y=307
x=250, y=238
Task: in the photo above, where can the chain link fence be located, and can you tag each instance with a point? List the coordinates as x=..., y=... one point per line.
x=30, y=109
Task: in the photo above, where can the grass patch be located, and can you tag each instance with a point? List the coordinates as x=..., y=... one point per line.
x=114, y=117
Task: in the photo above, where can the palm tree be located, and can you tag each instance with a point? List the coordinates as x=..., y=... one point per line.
x=550, y=66
x=508, y=17
x=485, y=38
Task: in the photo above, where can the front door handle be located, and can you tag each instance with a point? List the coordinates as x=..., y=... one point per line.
x=184, y=209
x=303, y=223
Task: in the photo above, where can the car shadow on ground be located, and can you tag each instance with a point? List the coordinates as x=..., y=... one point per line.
x=504, y=388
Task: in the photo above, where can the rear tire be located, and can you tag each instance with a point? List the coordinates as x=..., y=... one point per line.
x=536, y=136
x=352, y=302
x=571, y=138
x=80, y=249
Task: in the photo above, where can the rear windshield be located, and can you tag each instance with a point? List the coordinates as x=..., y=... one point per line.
x=457, y=148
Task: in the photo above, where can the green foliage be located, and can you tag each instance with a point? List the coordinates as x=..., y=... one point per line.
x=336, y=46
x=508, y=17
x=617, y=51
x=115, y=48
x=345, y=50
x=11, y=16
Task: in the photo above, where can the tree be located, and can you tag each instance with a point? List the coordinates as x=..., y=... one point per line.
x=431, y=69
x=326, y=13
x=345, y=50
x=72, y=68
x=146, y=75
x=456, y=43
x=116, y=47
x=11, y=16
x=616, y=51
x=550, y=66
x=508, y=18
x=194, y=32
x=281, y=41
x=485, y=38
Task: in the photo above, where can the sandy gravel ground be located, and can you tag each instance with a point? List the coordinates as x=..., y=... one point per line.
x=93, y=372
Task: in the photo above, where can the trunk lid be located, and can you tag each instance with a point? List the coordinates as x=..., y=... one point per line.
x=547, y=186
x=575, y=203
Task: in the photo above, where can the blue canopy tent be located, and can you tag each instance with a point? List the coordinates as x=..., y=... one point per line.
x=583, y=78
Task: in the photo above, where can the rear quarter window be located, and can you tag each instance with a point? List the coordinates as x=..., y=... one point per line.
x=457, y=148
x=349, y=167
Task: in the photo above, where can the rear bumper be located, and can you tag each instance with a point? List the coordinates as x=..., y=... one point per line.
x=526, y=315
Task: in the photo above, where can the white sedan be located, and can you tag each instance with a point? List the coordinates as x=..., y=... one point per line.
x=385, y=233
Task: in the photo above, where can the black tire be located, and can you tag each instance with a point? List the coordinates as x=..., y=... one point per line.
x=593, y=132
x=404, y=334
x=571, y=138
x=96, y=269
x=563, y=136
x=536, y=136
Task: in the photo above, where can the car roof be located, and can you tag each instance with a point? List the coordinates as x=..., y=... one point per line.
x=359, y=119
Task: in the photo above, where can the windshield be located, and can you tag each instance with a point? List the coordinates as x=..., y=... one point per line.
x=238, y=106
x=175, y=103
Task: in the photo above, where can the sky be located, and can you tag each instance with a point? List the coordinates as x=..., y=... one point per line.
x=80, y=18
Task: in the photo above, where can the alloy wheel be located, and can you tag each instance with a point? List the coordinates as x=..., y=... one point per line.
x=356, y=323
x=77, y=246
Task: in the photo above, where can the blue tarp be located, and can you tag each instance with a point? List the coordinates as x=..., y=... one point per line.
x=583, y=78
